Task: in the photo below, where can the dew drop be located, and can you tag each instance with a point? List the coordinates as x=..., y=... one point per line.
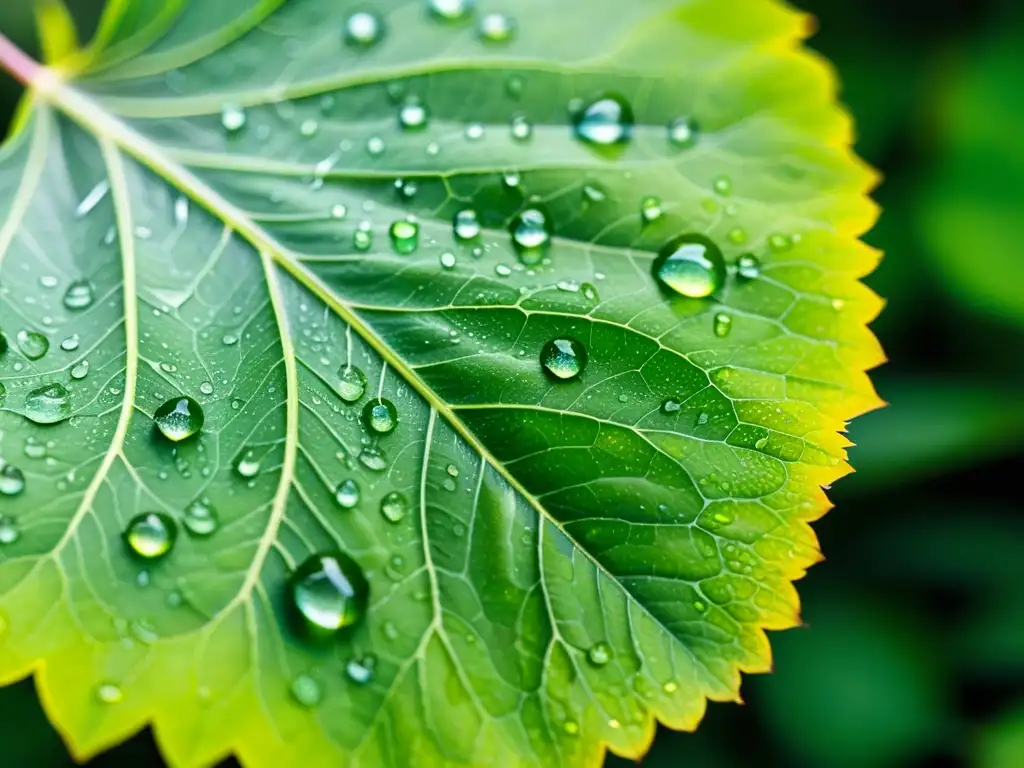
x=761, y=442
x=179, y=418
x=375, y=146
x=360, y=671
x=593, y=194
x=723, y=186
x=599, y=654
x=405, y=236
x=380, y=416
x=520, y=128
x=496, y=28
x=571, y=727
x=328, y=592
x=412, y=116
x=79, y=295
x=232, y=117
x=247, y=465
x=351, y=383
x=474, y=131
x=347, y=494
x=748, y=267
x=151, y=535
x=650, y=209
x=780, y=243
x=339, y=211
x=32, y=344
x=682, y=132
x=394, y=507
x=564, y=358
x=47, y=404
x=12, y=480
x=70, y=344
x=466, y=224
x=722, y=325
x=605, y=122
x=362, y=239
x=530, y=235
x=671, y=406
x=451, y=10
x=373, y=458
x=363, y=29
x=691, y=265
x=109, y=694
x=737, y=235
x=306, y=691
x=448, y=260
x=9, y=532
x=201, y=519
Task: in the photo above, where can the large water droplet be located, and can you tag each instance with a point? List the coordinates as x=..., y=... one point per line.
x=33, y=344
x=466, y=224
x=531, y=235
x=201, y=518
x=328, y=592
x=606, y=121
x=79, y=295
x=351, y=383
x=412, y=116
x=347, y=494
x=682, y=132
x=12, y=480
x=496, y=28
x=372, y=457
x=232, y=117
x=451, y=10
x=564, y=358
x=380, y=416
x=48, y=404
x=179, y=418
x=151, y=535
x=247, y=465
x=306, y=691
x=599, y=654
x=691, y=265
x=405, y=236
x=394, y=507
x=363, y=29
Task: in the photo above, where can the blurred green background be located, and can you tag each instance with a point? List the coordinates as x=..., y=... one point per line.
x=913, y=653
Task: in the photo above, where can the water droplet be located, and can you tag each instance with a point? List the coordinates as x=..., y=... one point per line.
x=671, y=406
x=405, y=236
x=691, y=265
x=232, y=117
x=70, y=344
x=363, y=29
x=466, y=224
x=520, y=128
x=380, y=416
x=722, y=325
x=571, y=727
x=564, y=358
x=590, y=293
x=451, y=10
x=448, y=260
x=748, y=266
x=737, y=235
x=201, y=518
x=593, y=194
x=780, y=243
x=179, y=418
x=530, y=235
x=362, y=239
x=309, y=128
x=48, y=404
x=433, y=149
x=339, y=211
x=347, y=494
x=247, y=465
x=511, y=179
x=375, y=146
x=502, y=270
x=699, y=606
x=702, y=419
x=306, y=691
x=12, y=480
x=412, y=116
x=599, y=654
x=360, y=671
x=474, y=131
x=9, y=532
x=109, y=694
x=92, y=199
x=394, y=507
x=496, y=28
x=373, y=458
x=605, y=122
x=723, y=186
x=761, y=442
x=670, y=687
x=151, y=535
x=328, y=592
x=682, y=132
x=33, y=344
x=613, y=723
x=351, y=383
x=650, y=209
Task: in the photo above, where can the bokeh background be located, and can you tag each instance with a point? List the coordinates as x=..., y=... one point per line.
x=913, y=649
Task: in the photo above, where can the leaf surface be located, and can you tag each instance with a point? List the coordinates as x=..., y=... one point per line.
x=572, y=560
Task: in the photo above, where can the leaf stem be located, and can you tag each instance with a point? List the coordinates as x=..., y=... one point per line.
x=23, y=67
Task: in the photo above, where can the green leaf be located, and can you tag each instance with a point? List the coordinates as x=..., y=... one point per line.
x=570, y=560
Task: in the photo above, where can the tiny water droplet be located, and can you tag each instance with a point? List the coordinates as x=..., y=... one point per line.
x=306, y=691
x=247, y=465
x=360, y=670
x=748, y=267
x=405, y=236
x=151, y=535
x=520, y=127
x=650, y=209
x=380, y=416
x=723, y=186
x=466, y=224
x=48, y=404
x=328, y=592
x=351, y=383
x=373, y=458
x=451, y=10
x=702, y=419
x=448, y=260
x=780, y=243
x=761, y=442
x=347, y=494
x=412, y=116
x=70, y=344
x=511, y=179
x=362, y=239
x=201, y=518
x=363, y=29
x=496, y=28
x=671, y=406
x=309, y=128
x=33, y=344
x=691, y=265
x=502, y=270
x=530, y=235
x=571, y=727
x=9, y=532
x=564, y=358
x=737, y=236
x=109, y=693
x=474, y=131
x=605, y=122
x=599, y=654
x=375, y=146
x=80, y=370
x=179, y=418
x=232, y=117
x=682, y=132
x=12, y=480
x=338, y=211
x=394, y=507
x=593, y=194
x=722, y=325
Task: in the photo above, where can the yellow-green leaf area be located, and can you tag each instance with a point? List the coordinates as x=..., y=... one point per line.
x=325, y=246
